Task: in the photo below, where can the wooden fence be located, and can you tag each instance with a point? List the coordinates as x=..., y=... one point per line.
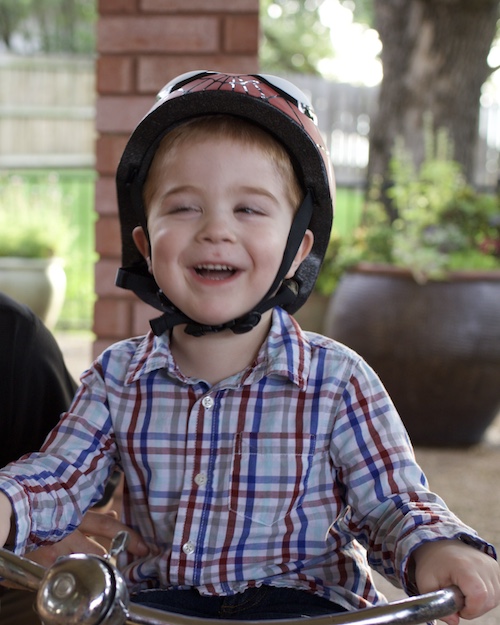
x=344, y=115
x=47, y=108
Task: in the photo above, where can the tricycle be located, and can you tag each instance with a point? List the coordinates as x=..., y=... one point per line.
x=82, y=589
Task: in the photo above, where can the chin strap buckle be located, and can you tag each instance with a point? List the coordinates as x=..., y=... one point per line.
x=246, y=323
x=172, y=317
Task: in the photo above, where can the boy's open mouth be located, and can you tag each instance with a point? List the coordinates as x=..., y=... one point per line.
x=215, y=272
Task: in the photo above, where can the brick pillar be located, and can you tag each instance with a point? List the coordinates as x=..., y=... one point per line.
x=141, y=45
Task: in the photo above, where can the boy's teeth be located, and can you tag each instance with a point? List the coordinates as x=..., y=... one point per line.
x=211, y=267
x=215, y=271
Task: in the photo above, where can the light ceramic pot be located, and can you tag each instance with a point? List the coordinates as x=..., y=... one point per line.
x=38, y=283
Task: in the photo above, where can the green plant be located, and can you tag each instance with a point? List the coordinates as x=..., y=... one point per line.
x=331, y=271
x=33, y=220
x=442, y=224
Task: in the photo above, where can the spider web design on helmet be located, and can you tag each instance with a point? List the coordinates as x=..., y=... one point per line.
x=255, y=87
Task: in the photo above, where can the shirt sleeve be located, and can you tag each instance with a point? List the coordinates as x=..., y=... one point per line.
x=389, y=507
x=52, y=489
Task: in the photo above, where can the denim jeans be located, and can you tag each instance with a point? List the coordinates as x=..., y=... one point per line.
x=265, y=602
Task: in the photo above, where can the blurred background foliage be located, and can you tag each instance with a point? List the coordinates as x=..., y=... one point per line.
x=293, y=37
x=48, y=26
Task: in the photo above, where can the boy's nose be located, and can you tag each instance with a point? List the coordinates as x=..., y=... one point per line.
x=216, y=228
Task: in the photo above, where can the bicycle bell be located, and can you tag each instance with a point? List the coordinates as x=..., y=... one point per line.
x=82, y=589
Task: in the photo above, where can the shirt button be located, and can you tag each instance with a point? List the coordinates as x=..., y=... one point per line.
x=207, y=402
x=200, y=479
x=188, y=548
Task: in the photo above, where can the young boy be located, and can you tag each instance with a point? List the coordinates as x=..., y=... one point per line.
x=266, y=468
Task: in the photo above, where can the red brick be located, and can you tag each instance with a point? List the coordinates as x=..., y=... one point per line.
x=100, y=345
x=200, y=6
x=105, y=196
x=112, y=318
x=115, y=74
x=108, y=241
x=117, y=6
x=155, y=71
x=105, y=274
x=141, y=315
x=158, y=34
x=241, y=34
x=109, y=150
x=142, y=44
x=116, y=114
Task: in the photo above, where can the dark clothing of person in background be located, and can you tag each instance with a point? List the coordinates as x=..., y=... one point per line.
x=35, y=385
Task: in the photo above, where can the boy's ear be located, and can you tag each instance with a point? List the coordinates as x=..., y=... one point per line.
x=303, y=251
x=142, y=243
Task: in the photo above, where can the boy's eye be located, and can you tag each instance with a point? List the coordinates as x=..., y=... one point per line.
x=247, y=210
x=178, y=210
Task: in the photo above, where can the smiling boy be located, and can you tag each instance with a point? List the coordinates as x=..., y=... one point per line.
x=217, y=238
x=266, y=467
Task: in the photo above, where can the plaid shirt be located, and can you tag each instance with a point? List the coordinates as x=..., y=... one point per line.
x=295, y=472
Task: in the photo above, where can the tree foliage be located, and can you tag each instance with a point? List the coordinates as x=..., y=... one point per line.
x=293, y=37
x=363, y=11
x=48, y=26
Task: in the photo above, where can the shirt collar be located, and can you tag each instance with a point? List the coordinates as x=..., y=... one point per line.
x=152, y=353
x=285, y=353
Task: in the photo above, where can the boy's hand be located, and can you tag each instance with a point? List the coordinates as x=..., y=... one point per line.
x=444, y=563
x=5, y=519
x=95, y=531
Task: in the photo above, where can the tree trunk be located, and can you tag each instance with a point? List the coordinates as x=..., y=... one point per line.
x=435, y=63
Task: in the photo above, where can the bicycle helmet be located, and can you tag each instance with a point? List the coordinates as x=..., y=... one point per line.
x=278, y=107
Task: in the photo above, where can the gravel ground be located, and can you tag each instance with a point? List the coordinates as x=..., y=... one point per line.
x=467, y=479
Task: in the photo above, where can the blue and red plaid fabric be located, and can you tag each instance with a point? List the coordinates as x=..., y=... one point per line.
x=296, y=472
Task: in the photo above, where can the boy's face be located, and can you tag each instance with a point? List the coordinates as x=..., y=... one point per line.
x=218, y=222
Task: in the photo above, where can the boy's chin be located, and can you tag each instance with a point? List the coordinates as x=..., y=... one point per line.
x=218, y=317
x=214, y=318
x=212, y=322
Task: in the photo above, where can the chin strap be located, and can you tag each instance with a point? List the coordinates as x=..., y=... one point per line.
x=286, y=295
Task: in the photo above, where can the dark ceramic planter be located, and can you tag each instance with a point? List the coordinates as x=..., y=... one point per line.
x=436, y=347
x=312, y=314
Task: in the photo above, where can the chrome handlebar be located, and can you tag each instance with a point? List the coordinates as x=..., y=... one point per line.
x=412, y=611
x=89, y=590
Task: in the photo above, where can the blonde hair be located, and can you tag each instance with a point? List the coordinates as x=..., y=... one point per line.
x=234, y=129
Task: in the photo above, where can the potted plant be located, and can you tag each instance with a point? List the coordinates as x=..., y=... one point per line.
x=420, y=299
x=34, y=234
